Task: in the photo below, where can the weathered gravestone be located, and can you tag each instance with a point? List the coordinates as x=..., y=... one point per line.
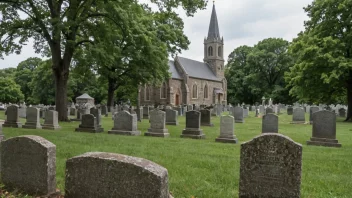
x=205, y=118
x=192, y=129
x=73, y=111
x=311, y=111
x=104, y=110
x=289, y=110
x=245, y=112
x=28, y=163
x=125, y=124
x=157, y=124
x=12, y=119
x=139, y=113
x=227, y=127
x=269, y=110
x=261, y=109
x=51, y=120
x=102, y=175
x=238, y=114
x=271, y=166
x=324, y=129
x=270, y=123
x=146, y=112
x=298, y=116
x=2, y=136
x=342, y=112
x=97, y=114
x=88, y=124
x=33, y=119
x=171, y=117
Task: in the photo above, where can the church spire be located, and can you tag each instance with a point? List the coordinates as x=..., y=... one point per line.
x=213, y=32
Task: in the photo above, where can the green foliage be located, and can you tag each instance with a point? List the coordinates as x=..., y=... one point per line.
x=254, y=72
x=10, y=91
x=323, y=64
x=7, y=72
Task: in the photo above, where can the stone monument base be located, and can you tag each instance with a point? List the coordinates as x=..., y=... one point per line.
x=50, y=127
x=117, y=132
x=193, y=133
x=224, y=139
x=206, y=124
x=157, y=133
x=12, y=124
x=89, y=130
x=323, y=142
x=31, y=126
x=239, y=121
x=172, y=123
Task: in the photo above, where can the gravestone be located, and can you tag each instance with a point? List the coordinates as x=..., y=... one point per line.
x=73, y=111
x=139, y=113
x=289, y=110
x=88, y=124
x=324, y=129
x=227, y=127
x=2, y=136
x=205, y=118
x=269, y=110
x=51, y=120
x=238, y=114
x=261, y=109
x=125, y=124
x=311, y=111
x=298, y=116
x=218, y=109
x=192, y=129
x=189, y=107
x=33, y=119
x=22, y=111
x=342, y=112
x=245, y=112
x=271, y=166
x=171, y=117
x=145, y=112
x=179, y=110
x=97, y=114
x=270, y=123
x=104, y=110
x=12, y=118
x=28, y=163
x=257, y=113
x=157, y=124
x=103, y=175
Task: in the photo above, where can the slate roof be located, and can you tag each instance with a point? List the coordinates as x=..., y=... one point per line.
x=173, y=71
x=197, y=69
x=84, y=96
x=213, y=26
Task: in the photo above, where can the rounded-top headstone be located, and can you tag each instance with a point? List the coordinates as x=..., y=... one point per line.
x=102, y=175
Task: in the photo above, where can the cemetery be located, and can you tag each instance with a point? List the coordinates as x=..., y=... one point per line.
x=151, y=99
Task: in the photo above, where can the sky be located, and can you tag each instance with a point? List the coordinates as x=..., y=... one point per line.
x=241, y=22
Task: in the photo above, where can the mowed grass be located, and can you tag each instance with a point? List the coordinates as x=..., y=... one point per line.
x=205, y=168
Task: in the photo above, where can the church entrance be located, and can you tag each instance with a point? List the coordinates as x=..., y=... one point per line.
x=177, y=98
x=219, y=101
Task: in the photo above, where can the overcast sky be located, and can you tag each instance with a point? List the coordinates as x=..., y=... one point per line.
x=241, y=22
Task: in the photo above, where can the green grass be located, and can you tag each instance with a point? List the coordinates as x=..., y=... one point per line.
x=204, y=168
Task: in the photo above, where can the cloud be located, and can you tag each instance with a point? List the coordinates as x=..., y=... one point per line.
x=241, y=22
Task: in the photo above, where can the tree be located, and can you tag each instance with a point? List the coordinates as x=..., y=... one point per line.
x=8, y=72
x=24, y=74
x=254, y=72
x=10, y=91
x=59, y=27
x=322, y=72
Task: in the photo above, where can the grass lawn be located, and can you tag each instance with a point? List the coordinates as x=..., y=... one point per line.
x=204, y=168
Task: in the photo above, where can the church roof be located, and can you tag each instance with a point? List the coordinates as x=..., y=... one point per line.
x=213, y=26
x=173, y=71
x=84, y=96
x=197, y=69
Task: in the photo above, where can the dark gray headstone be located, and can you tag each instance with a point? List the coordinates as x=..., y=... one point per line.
x=270, y=123
x=311, y=111
x=205, y=118
x=192, y=129
x=88, y=124
x=102, y=175
x=28, y=163
x=238, y=114
x=171, y=117
x=271, y=166
x=33, y=119
x=51, y=120
x=298, y=116
x=125, y=124
x=12, y=117
x=324, y=129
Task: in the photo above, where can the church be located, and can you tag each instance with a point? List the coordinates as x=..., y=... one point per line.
x=192, y=81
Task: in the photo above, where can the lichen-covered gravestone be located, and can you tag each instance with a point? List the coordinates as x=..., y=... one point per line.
x=227, y=127
x=102, y=175
x=125, y=124
x=298, y=116
x=193, y=129
x=51, y=120
x=12, y=118
x=205, y=118
x=33, y=119
x=324, y=129
x=157, y=124
x=238, y=114
x=270, y=123
x=28, y=163
x=88, y=124
x=171, y=117
x=271, y=166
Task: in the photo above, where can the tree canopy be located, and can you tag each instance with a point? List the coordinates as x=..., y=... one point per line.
x=10, y=91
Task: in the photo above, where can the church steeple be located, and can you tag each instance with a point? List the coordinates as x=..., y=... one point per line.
x=213, y=32
x=214, y=47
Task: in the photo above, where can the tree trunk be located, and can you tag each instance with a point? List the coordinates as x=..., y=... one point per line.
x=349, y=100
x=111, y=90
x=61, y=79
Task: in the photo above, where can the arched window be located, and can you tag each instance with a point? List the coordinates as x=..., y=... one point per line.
x=210, y=51
x=163, y=91
x=147, y=93
x=206, y=91
x=195, y=91
x=220, y=51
